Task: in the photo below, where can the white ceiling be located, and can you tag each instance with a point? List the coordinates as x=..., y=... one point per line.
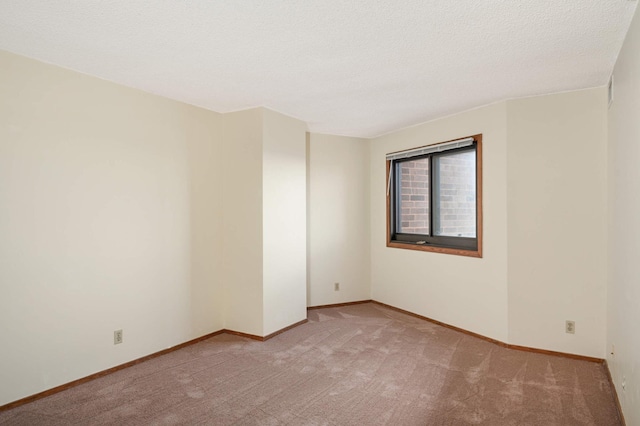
x=357, y=68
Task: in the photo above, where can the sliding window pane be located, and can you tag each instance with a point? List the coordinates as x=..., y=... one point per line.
x=413, y=205
x=455, y=194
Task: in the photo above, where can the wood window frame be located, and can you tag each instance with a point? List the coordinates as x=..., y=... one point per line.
x=477, y=252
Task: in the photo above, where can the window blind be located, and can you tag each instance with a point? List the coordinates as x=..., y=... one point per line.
x=430, y=149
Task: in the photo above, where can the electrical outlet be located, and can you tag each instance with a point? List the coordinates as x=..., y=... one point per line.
x=336, y=286
x=570, y=327
x=117, y=337
x=624, y=383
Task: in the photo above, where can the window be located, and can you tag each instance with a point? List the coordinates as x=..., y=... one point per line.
x=434, y=198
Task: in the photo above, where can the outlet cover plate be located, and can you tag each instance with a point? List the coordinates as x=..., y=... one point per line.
x=570, y=327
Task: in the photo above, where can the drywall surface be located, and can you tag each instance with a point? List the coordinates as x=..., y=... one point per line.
x=624, y=228
x=242, y=227
x=204, y=156
x=557, y=221
x=284, y=204
x=466, y=292
x=98, y=186
x=339, y=228
x=264, y=222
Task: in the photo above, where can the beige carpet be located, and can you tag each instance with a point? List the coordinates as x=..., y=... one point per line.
x=356, y=365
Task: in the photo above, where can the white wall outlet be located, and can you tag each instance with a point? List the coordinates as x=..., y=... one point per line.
x=570, y=327
x=336, y=286
x=117, y=337
x=624, y=383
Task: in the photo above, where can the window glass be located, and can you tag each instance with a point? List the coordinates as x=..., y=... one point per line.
x=455, y=194
x=413, y=211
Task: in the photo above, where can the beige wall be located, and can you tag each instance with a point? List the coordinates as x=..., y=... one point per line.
x=242, y=213
x=124, y=210
x=623, y=313
x=466, y=292
x=284, y=221
x=544, y=191
x=339, y=249
x=206, y=249
x=557, y=221
x=264, y=221
x=108, y=221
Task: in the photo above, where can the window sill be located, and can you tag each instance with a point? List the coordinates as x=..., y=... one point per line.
x=434, y=249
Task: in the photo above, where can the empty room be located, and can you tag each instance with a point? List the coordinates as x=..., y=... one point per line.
x=319, y=212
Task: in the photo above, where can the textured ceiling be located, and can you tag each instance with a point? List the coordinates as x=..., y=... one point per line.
x=358, y=68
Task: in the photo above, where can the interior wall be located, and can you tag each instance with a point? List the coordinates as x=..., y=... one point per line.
x=557, y=221
x=544, y=192
x=204, y=156
x=284, y=221
x=242, y=221
x=466, y=292
x=339, y=228
x=98, y=186
x=623, y=315
x=130, y=211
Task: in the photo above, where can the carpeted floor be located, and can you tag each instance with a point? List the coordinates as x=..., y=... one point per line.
x=355, y=365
